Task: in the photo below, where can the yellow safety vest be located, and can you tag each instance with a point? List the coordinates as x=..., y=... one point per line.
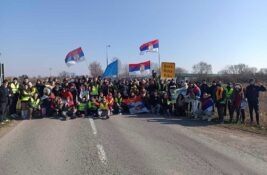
x=25, y=96
x=14, y=88
x=35, y=103
x=95, y=90
x=103, y=106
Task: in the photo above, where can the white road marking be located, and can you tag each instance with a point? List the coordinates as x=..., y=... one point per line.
x=93, y=126
x=101, y=154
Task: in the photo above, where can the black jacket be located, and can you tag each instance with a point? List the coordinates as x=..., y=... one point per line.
x=155, y=101
x=4, y=92
x=252, y=93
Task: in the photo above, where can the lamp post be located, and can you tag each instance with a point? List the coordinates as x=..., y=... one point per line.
x=107, y=46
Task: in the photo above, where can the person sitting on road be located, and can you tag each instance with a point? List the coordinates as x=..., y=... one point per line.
x=166, y=105
x=103, y=110
x=35, y=106
x=82, y=108
x=110, y=101
x=93, y=107
x=206, y=107
x=180, y=106
x=155, y=103
x=118, y=104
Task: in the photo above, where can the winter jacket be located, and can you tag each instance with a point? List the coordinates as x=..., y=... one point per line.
x=252, y=93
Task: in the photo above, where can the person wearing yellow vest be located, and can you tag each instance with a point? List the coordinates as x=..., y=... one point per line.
x=15, y=89
x=25, y=96
x=118, y=104
x=220, y=101
x=82, y=108
x=34, y=105
x=103, y=110
x=93, y=107
x=32, y=89
x=229, y=101
x=95, y=89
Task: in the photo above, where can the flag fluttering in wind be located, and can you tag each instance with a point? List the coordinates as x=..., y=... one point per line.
x=140, y=69
x=111, y=70
x=152, y=46
x=74, y=57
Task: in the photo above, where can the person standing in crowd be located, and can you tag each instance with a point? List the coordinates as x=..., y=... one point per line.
x=228, y=101
x=212, y=92
x=39, y=87
x=25, y=96
x=220, y=101
x=194, y=92
x=239, y=102
x=204, y=88
x=15, y=88
x=95, y=88
x=4, y=101
x=252, y=94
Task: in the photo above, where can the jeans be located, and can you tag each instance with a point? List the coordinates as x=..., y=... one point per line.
x=230, y=107
x=255, y=107
x=238, y=111
x=13, y=104
x=4, y=111
x=220, y=109
x=155, y=109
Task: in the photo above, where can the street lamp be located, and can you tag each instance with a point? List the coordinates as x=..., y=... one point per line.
x=107, y=46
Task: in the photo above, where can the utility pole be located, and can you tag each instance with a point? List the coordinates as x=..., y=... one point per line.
x=107, y=46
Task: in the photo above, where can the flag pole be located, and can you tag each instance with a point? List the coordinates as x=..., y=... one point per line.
x=159, y=62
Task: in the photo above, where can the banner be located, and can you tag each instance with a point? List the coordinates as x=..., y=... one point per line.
x=140, y=69
x=136, y=105
x=167, y=70
x=111, y=70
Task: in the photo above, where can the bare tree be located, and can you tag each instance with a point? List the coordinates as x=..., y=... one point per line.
x=180, y=71
x=202, y=68
x=95, y=69
x=239, y=69
x=124, y=71
x=155, y=67
x=263, y=71
x=65, y=74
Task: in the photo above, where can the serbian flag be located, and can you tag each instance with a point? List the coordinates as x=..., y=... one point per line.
x=152, y=46
x=74, y=57
x=140, y=69
x=136, y=105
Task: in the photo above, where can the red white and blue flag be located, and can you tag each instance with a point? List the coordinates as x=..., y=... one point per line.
x=152, y=46
x=136, y=105
x=74, y=57
x=140, y=69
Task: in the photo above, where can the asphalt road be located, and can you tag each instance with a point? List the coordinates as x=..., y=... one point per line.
x=129, y=145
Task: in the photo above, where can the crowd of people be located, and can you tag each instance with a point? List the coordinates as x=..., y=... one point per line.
x=96, y=97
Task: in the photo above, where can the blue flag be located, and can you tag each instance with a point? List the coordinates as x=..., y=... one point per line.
x=111, y=70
